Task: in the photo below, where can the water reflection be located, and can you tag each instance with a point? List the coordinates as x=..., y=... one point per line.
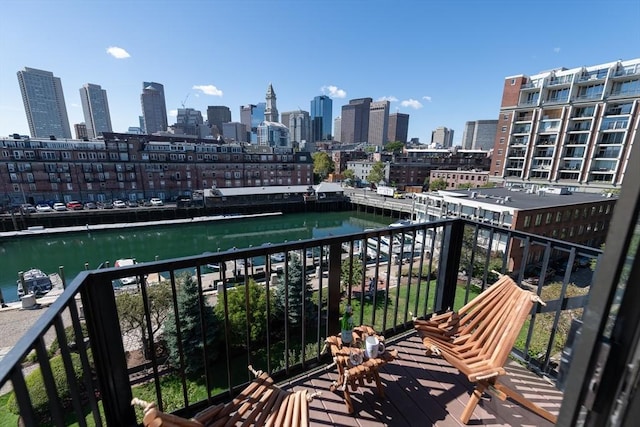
x=144, y=244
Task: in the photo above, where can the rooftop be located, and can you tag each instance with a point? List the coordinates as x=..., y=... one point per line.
x=521, y=198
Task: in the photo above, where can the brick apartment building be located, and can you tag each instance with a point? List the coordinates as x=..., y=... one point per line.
x=130, y=167
x=568, y=127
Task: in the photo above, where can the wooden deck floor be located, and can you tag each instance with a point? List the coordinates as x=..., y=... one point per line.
x=424, y=391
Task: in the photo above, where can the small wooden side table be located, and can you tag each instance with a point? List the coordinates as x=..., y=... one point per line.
x=350, y=375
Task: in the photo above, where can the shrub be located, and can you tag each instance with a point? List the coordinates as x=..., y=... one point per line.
x=71, y=338
x=38, y=391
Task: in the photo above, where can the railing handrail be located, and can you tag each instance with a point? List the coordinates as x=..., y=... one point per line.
x=449, y=264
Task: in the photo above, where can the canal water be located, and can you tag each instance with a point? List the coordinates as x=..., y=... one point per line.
x=72, y=250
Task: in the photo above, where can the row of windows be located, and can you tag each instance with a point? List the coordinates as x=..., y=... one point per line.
x=567, y=215
x=460, y=176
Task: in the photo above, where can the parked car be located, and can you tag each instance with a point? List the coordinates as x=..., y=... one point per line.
x=43, y=207
x=74, y=205
x=132, y=203
x=90, y=205
x=119, y=204
x=27, y=208
x=59, y=207
x=105, y=205
x=156, y=202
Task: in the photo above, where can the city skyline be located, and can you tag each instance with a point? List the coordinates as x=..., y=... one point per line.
x=474, y=52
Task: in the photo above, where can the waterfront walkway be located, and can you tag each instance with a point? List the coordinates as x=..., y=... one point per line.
x=36, y=231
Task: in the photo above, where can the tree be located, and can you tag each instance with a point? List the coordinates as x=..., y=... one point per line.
x=437, y=184
x=394, y=147
x=464, y=186
x=132, y=316
x=188, y=302
x=237, y=309
x=292, y=288
x=377, y=173
x=348, y=174
x=488, y=185
x=322, y=164
x=356, y=275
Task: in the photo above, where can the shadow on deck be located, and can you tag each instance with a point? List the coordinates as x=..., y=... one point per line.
x=421, y=391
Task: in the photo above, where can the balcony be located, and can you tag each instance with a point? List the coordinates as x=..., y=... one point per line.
x=423, y=268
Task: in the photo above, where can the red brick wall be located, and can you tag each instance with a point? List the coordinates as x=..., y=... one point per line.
x=511, y=91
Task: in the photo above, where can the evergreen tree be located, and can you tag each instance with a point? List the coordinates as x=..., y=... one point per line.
x=296, y=281
x=190, y=329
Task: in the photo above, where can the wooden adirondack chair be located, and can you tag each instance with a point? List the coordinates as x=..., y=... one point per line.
x=478, y=338
x=261, y=403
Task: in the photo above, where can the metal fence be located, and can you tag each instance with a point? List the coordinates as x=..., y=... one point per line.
x=184, y=330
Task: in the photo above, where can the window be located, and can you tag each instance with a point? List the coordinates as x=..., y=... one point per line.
x=558, y=216
x=505, y=117
x=501, y=140
x=538, y=220
x=504, y=128
x=513, y=82
x=549, y=218
x=527, y=221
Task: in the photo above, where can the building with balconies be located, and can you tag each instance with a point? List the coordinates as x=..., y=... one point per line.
x=568, y=127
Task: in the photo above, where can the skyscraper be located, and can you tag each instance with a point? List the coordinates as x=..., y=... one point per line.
x=234, y=131
x=154, y=107
x=479, y=134
x=398, y=127
x=298, y=124
x=96, y=110
x=189, y=121
x=44, y=103
x=355, y=121
x=271, y=111
x=337, y=129
x=442, y=136
x=321, y=114
x=378, y=123
x=251, y=116
x=216, y=116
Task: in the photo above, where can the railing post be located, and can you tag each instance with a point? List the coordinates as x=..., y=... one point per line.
x=449, y=265
x=105, y=338
x=333, y=297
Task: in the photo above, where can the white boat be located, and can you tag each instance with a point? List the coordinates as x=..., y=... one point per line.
x=35, y=282
x=401, y=223
x=126, y=280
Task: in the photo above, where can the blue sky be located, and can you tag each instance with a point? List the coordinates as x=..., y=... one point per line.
x=442, y=62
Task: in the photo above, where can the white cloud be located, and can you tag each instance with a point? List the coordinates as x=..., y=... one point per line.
x=427, y=98
x=388, y=98
x=333, y=91
x=416, y=105
x=173, y=113
x=556, y=49
x=208, y=90
x=118, y=52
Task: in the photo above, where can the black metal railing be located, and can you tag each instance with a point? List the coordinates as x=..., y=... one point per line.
x=195, y=323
